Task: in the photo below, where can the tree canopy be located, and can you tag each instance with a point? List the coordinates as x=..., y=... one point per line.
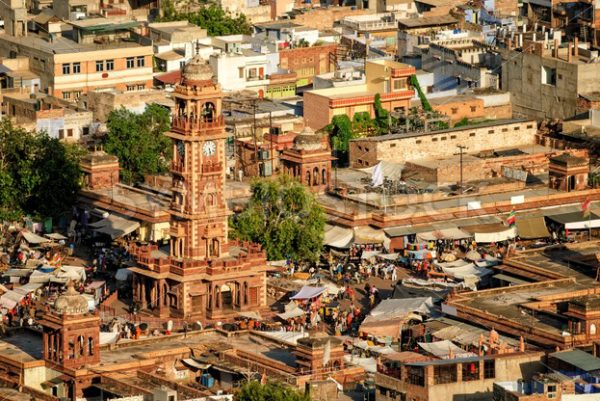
x=139, y=142
x=213, y=18
x=38, y=175
x=284, y=217
x=254, y=391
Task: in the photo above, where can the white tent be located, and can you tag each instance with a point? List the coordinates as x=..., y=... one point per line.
x=10, y=299
x=444, y=349
x=33, y=239
x=39, y=277
x=308, y=292
x=445, y=233
x=297, y=312
x=66, y=273
x=27, y=288
x=387, y=319
x=338, y=237
x=115, y=226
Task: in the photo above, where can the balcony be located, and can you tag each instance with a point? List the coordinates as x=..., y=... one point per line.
x=184, y=124
x=178, y=168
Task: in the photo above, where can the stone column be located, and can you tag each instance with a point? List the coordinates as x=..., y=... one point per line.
x=143, y=304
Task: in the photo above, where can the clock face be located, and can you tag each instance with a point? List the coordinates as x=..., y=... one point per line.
x=209, y=148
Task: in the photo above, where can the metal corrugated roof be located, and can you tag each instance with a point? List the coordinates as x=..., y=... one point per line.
x=579, y=359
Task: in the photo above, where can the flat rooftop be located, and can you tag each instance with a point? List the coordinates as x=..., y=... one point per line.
x=508, y=304
x=385, y=138
x=134, y=197
x=22, y=346
x=64, y=45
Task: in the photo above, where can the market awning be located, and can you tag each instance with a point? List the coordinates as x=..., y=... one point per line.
x=115, y=226
x=338, y=237
x=443, y=234
x=445, y=350
x=308, y=292
x=194, y=364
x=576, y=220
x=368, y=235
x=487, y=233
x=27, y=288
x=291, y=314
x=532, y=227
x=32, y=238
x=56, y=237
x=250, y=315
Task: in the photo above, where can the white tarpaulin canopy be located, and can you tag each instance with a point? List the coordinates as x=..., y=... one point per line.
x=56, y=237
x=66, y=273
x=390, y=170
x=39, y=277
x=369, y=254
x=33, y=239
x=445, y=233
x=115, y=226
x=250, y=315
x=291, y=314
x=10, y=299
x=308, y=292
x=488, y=233
x=338, y=237
x=27, y=288
x=368, y=235
x=576, y=220
x=461, y=269
x=444, y=349
x=388, y=318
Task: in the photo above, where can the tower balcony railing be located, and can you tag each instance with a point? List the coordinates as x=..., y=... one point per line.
x=187, y=124
x=177, y=167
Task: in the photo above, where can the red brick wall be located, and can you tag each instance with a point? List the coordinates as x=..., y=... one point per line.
x=308, y=61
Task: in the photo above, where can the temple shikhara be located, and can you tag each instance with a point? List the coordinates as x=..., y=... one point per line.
x=203, y=274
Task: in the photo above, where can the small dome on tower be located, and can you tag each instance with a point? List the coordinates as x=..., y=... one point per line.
x=197, y=69
x=308, y=140
x=71, y=302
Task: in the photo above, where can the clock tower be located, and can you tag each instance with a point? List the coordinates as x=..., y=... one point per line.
x=203, y=274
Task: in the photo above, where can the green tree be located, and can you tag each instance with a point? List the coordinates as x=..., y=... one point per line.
x=381, y=115
x=363, y=124
x=284, y=217
x=38, y=175
x=340, y=132
x=272, y=391
x=424, y=102
x=213, y=18
x=139, y=142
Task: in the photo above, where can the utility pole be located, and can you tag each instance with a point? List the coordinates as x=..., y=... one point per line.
x=461, y=149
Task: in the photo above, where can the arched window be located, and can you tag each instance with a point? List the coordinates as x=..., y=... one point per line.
x=316, y=176
x=90, y=346
x=81, y=344
x=592, y=329
x=214, y=247
x=324, y=177
x=208, y=112
x=308, y=178
x=245, y=293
